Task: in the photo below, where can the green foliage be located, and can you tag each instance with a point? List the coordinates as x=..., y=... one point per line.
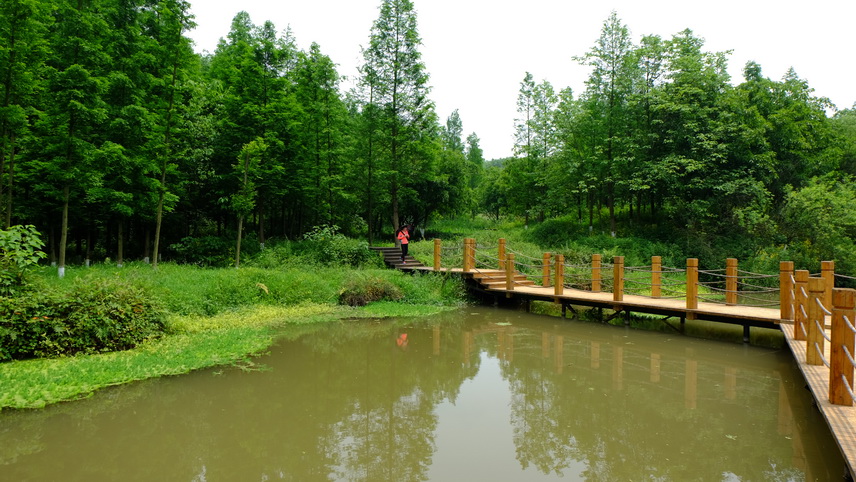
x=556, y=232
x=327, y=246
x=361, y=290
x=20, y=249
x=204, y=251
x=96, y=315
x=820, y=222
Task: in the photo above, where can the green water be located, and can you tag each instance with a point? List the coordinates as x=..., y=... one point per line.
x=480, y=394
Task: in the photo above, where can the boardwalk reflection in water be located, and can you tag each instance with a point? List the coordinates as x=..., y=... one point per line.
x=475, y=394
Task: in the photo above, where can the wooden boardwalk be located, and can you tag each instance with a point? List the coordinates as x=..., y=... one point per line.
x=841, y=419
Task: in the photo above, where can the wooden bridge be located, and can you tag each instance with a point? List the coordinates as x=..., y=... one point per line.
x=816, y=318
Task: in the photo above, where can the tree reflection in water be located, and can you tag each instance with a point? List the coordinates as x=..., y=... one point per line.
x=348, y=402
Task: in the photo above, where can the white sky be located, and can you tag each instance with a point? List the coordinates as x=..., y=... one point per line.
x=478, y=51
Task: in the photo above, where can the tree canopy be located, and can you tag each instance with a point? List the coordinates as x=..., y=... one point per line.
x=117, y=140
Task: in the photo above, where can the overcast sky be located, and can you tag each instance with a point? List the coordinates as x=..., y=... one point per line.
x=478, y=51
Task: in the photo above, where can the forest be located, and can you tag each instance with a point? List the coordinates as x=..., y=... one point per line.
x=118, y=141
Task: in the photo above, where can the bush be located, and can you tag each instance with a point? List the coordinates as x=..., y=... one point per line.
x=20, y=248
x=204, y=251
x=362, y=290
x=556, y=232
x=94, y=316
x=327, y=246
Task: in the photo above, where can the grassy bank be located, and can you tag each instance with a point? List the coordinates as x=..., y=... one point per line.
x=215, y=317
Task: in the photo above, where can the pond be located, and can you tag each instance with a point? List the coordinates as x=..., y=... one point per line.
x=477, y=394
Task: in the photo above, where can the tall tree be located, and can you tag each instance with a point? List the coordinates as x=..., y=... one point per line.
x=254, y=68
x=475, y=168
x=75, y=111
x=607, y=91
x=175, y=52
x=643, y=175
x=23, y=50
x=522, y=167
x=691, y=122
x=322, y=137
x=452, y=134
x=244, y=200
x=399, y=88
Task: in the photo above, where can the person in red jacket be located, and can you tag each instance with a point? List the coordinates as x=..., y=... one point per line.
x=403, y=236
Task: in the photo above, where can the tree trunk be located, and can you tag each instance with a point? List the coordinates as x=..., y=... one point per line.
x=148, y=243
x=611, y=202
x=64, y=231
x=121, y=244
x=238, y=246
x=11, y=178
x=158, y=223
x=52, y=239
x=88, y=246
x=166, y=154
x=591, y=211
x=261, y=223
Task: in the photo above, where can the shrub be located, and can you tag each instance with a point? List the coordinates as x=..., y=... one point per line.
x=94, y=316
x=555, y=232
x=204, y=251
x=20, y=248
x=327, y=246
x=362, y=290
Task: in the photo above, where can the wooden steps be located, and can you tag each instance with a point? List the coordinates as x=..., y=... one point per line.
x=392, y=258
x=488, y=279
x=497, y=279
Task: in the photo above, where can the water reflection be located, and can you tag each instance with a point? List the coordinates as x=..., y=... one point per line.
x=494, y=394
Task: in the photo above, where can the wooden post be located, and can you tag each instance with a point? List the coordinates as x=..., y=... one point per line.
x=618, y=278
x=509, y=272
x=827, y=272
x=559, y=283
x=814, y=340
x=468, y=254
x=731, y=281
x=437, y=254
x=595, y=273
x=692, y=283
x=843, y=305
x=546, y=270
x=656, y=276
x=800, y=304
x=502, y=254
x=786, y=288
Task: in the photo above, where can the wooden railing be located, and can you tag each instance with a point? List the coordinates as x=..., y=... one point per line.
x=806, y=301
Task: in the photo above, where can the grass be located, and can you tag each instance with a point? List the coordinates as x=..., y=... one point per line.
x=215, y=317
x=227, y=339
